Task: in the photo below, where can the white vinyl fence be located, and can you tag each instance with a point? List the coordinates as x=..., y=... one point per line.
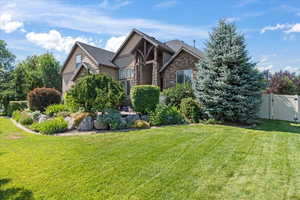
x=281, y=107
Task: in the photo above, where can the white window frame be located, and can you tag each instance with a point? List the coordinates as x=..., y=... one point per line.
x=126, y=73
x=184, y=75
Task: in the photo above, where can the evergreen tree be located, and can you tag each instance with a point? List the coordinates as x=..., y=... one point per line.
x=227, y=83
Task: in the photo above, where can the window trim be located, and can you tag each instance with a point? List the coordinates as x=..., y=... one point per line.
x=76, y=60
x=184, y=75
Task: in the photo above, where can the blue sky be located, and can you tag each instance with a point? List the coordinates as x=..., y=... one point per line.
x=271, y=27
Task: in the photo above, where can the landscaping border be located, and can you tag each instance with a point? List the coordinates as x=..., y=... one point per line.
x=23, y=127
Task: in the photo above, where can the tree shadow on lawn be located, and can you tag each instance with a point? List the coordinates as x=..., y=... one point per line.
x=14, y=192
x=278, y=126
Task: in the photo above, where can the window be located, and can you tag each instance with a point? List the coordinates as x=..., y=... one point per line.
x=125, y=73
x=184, y=76
x=78, y=61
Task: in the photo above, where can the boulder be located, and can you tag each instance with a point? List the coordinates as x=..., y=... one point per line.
x=132, y=118
x=71, y=124
x=100, y=125
x=42, y=118
x=86, y=124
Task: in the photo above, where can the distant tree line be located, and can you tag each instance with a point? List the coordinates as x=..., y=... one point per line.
x=283, y=82
x=16, y=80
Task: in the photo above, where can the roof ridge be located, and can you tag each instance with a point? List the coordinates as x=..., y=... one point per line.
x=94, y=47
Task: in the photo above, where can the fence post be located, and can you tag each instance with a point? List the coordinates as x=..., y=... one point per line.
x=271, y=106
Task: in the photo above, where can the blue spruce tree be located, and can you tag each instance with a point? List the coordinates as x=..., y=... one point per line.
x=227, y=83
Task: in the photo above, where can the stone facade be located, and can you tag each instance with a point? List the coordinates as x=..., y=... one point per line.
x=183, y=61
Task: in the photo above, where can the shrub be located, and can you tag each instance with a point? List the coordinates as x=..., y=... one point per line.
x=51, y=126
x=69, y=102
x=16, y=105
x=16, y=115
x=112, y=118
x=165, y=115
x=174, y=95
x=55, y=108
x=191, y=110
x=140, y=124
x=22, y=117
x=96, y=92
x=144, y=98
x=40, y=98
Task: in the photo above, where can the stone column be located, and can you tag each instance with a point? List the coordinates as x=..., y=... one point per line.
x=155, y=69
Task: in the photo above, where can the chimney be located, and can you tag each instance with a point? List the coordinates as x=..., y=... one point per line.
x=194, y=43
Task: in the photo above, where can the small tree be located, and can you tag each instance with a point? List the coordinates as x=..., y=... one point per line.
x=227, y=83
x=283, y=82
x=96, y=93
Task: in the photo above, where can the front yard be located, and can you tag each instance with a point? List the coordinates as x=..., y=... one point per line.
x=179, y=162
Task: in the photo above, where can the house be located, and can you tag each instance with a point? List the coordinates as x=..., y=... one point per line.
x=141, y=60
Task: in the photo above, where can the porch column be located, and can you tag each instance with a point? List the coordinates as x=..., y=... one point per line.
x=155, y=69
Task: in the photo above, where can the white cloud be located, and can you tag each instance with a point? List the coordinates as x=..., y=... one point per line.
x=114, y=43
x=166, y=4
x=53, y=40
x=114, y=4
x=87, y=18
x=294, y=29
x=274, y=28
x=7, y=24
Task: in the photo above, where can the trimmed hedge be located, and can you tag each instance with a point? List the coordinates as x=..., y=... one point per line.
x=51, y=126
x=144, y=98
x=40, y=98
x=174, y=95
x=16, y=105
x=191, y=109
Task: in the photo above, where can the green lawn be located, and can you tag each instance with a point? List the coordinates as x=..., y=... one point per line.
x=183, y=162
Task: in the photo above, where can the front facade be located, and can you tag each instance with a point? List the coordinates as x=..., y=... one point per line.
x=141, y=60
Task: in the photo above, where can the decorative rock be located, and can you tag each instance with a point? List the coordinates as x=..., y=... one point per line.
x=71, y=124
x=99, y=125
x=132, y=118
x=42, y=118
x=86, y=124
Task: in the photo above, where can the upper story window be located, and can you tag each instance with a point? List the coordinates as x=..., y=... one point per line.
x=184, y=76
x=125, y=73
x=78, y=61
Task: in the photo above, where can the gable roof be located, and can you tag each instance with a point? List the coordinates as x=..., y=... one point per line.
x=102, y=56
x=98, y=55
x=150, y=39
x=177, y=44
x=197, y=54
x=83, y=65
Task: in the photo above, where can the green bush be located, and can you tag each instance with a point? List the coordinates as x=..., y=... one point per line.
x=40, y=98
x=51, y=126
x=166, y=115
x=16, y=105
x=22, y=117
x=112, y=118
x=144, y=98
x=16, y=115
x=96, y=92
x=191, y=110
x=55, y=108
x=35, y=115
x=174, y=95
x=69, y=102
